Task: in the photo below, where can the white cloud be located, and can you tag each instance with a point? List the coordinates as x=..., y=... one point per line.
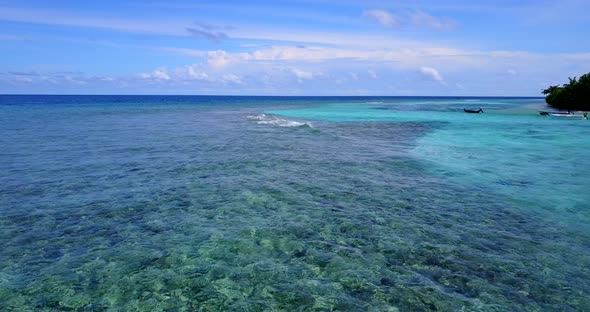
x=191, y=72
x=75, y=80
x=296, y=53
x=160, y=74
x=232, y=79
x=415, y=18
x=219, y=58
x=302, y=75
x=275, y=69
x=23, y=79
x=199, y=75
x=405, y=56
x=382, y=17
x=512, y=72
x=328, y=59
x=190, y=75
x=432, y=73
x=157, y=74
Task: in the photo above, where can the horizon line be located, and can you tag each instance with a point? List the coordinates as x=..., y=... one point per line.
x=254, y=95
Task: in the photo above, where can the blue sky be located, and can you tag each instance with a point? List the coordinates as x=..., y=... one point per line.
x=294, y=47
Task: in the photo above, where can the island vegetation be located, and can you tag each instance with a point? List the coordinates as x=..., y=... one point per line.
x=574, y=95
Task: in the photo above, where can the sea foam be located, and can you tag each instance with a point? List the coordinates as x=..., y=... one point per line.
x=265, y=119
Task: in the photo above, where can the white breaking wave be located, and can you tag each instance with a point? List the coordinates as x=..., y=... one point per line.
x=265, y=119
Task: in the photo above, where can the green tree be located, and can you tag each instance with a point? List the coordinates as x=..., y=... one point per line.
x=574, y=95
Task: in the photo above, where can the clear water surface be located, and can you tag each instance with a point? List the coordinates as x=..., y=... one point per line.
x=163, y=203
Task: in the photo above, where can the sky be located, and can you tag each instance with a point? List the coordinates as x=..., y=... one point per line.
x=292, y=47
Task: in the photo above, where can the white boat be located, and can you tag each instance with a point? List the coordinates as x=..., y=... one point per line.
x=562, y=115
x=568, y=115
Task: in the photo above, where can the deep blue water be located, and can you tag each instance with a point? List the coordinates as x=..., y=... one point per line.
x=182, y=203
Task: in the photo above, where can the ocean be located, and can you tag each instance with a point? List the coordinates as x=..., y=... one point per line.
x=219, y=203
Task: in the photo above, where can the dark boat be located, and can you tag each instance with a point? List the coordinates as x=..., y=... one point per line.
x=569, y=116
x=542, y=113
x=471, y=111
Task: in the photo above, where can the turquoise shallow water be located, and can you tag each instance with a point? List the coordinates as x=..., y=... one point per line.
x=243, y=203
